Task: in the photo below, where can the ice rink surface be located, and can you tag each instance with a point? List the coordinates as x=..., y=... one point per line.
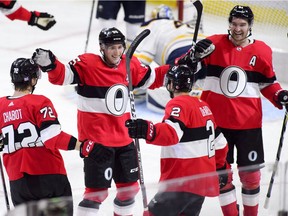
x=67, y=39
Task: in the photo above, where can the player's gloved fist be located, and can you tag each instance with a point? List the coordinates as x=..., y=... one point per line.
x=188, y=58
x=281, y=97
x=43, y=21
x=197, y=52
x=95, y=151
x=140, y=128
x=223, y=176
x=203, y=48
x=45, y=59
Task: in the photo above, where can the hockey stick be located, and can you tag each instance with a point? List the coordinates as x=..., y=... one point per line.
x=89, y=26
x=199, y=8
x=4, y=186
x=129, y=55
x=275, y=167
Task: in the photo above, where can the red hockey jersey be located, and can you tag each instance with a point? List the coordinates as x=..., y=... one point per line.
x=192, y=147
x=103, y=102
x=32, y=136
x=235, y=78
x=13, y=10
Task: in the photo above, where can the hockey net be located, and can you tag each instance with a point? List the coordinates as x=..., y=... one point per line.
x=270, y=17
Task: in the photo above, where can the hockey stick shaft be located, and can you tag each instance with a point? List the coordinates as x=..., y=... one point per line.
x=4, y=186
x=275, y=167
x=199, y=8
x=89, y=26
x=129, y=55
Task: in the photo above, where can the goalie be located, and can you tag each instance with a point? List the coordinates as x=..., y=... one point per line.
x=163, y=46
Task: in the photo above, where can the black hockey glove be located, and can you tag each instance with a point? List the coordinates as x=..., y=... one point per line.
x=140, y=128
x=223, y=176
x=43, y=21
x=281, y=98
x=197, y=52
x=95, y=151
x=45, y=59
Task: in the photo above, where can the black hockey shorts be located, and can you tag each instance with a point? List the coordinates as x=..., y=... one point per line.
x=176, y=203
x=122, y=168
x=37, y=187
x=134, y=11
x=249, y=146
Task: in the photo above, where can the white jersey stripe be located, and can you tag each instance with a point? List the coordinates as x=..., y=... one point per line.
x=186, y=150
x=7, y=12
x=50, y=132
x=251, y=90
x=220, y=142
x=69, y=75
x=97, y=105
x=176, y=127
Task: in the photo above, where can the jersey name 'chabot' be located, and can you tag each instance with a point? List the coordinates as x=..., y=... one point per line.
x=12, y=115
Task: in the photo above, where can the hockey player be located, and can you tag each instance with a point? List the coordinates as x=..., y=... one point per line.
x=237, y=72
x=14, y=11
x=134, y=15
x=163, y=46
x=187, y=127
x=103, y=109
x=32, y=136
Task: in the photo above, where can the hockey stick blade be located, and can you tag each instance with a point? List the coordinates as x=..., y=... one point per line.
x=199, y=8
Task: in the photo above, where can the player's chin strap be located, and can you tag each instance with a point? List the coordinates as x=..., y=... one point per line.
x=250, y=33
x=109, y=64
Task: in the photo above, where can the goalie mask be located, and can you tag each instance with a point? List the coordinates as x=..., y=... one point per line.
x=179, y=78
x=23, y=70
x=162, y=12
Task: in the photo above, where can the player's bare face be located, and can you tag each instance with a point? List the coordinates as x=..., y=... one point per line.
x=113, y=53
x=239, y=29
